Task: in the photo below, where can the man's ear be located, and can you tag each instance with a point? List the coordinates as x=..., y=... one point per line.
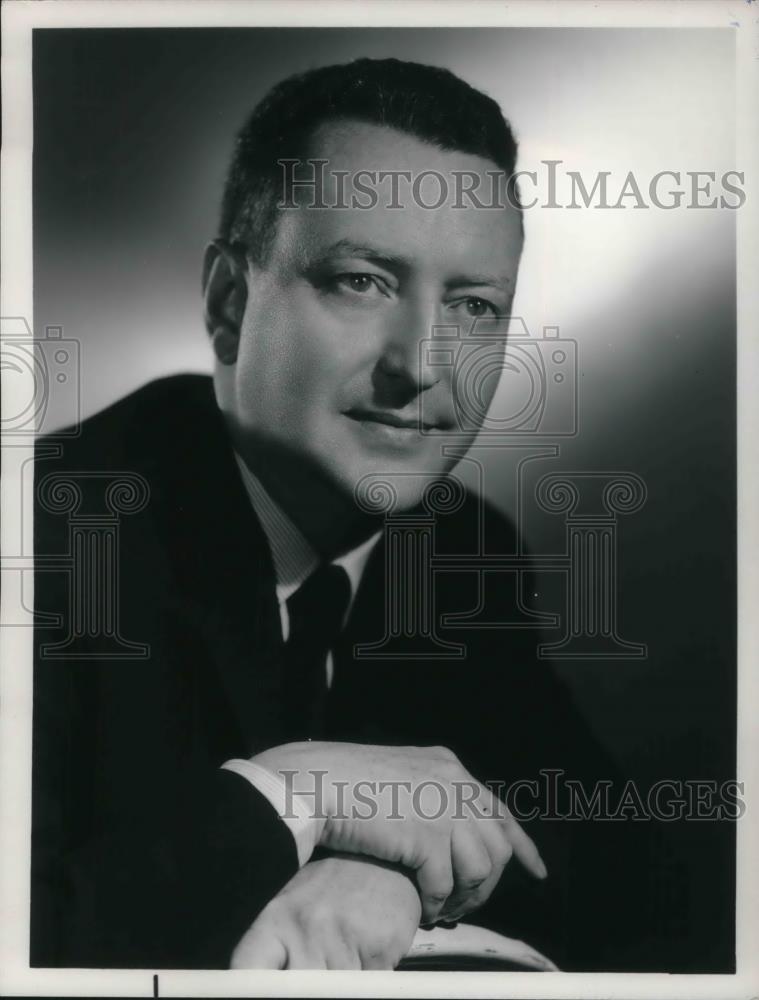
x=225, y=294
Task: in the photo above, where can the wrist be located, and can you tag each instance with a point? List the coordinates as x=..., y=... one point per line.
x=308, y=774
x=293, y=809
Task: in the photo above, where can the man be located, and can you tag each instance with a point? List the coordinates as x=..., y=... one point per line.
x=160, y=779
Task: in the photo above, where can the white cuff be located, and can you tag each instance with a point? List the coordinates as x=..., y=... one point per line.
x=291, y=808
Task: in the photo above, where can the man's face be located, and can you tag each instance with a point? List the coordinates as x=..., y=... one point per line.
x=329, y=368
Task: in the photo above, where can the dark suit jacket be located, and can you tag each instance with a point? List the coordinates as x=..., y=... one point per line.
x=145, y=853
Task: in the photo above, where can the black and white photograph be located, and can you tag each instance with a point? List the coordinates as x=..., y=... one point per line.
x=379, y=498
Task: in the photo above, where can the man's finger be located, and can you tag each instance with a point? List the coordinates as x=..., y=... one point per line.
x=499, y=849
x=470, y=857
x=524, y=847
x=435, y=882
x=497, y=843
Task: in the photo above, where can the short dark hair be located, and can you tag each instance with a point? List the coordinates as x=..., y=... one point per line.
x=428, y=102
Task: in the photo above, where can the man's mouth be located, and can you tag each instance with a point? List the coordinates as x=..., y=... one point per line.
x=387, y=418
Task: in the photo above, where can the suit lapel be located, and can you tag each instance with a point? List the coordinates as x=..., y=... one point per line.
x=220, y=559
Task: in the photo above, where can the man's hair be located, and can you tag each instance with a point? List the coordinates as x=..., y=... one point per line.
x=425, y=101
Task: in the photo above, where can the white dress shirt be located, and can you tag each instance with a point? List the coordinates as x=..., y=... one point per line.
x=294, y=560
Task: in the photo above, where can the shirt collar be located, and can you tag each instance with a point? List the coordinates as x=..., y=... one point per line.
x=293, y=556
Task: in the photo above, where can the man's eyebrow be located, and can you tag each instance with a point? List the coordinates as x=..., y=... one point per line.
x=480, y=280
x=397, y=262
x=364, y=251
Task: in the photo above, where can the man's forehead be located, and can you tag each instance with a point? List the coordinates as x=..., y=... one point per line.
x=489, y=245
x=380, y=187
x=351, y=158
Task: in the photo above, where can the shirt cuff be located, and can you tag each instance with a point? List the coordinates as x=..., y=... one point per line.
x=291, y=808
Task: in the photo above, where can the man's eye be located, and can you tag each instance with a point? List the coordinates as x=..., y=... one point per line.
x=357, y=282
x=475, y=306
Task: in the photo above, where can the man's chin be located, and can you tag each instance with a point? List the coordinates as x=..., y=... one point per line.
x=386, y=489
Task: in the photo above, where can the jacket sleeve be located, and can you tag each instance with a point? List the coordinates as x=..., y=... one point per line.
x=159, y=888
x=145, y=853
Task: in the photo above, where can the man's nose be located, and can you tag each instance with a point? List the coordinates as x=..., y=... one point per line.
x=404, y=361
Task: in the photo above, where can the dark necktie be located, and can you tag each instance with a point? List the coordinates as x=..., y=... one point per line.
x=316, y=611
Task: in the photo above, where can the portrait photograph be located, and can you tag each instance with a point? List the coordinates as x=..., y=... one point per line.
x=379, y=499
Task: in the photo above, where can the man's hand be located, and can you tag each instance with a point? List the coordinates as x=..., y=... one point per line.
x=340, y=913
x=412, y=806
